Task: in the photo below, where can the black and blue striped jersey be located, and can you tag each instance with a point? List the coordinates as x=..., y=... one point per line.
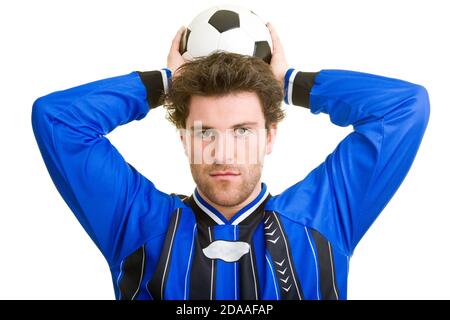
x=294, y=245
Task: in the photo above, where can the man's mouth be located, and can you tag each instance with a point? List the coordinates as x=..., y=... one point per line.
x=224, y=174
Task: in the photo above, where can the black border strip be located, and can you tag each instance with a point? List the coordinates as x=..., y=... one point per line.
x=154, y=86
x=326, y=267
x=159, y=278
x=301, y=88
x=133, y=269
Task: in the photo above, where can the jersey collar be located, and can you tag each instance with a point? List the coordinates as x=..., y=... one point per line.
x=240, y=216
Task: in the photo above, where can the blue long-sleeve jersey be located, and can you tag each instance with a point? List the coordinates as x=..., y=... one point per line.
x=294, y=245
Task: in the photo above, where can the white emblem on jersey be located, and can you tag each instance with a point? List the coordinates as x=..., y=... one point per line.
x=229, y=251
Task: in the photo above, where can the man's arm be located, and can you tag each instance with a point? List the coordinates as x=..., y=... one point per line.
x=117, y=206
x=357, y=180
x=343, y=196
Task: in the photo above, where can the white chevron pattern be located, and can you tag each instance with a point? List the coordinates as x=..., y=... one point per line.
x=280, y=263
x=287, y=289
x=274, y=241
x=282, y=272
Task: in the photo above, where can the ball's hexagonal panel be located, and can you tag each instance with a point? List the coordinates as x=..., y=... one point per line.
x=224, y=20
x=184, y=41
x=237, y=41
x=202, y=17
x=203, y=40
x=263, y=51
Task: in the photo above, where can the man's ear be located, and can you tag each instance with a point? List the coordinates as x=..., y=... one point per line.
x=182, y=135
x=271, y=135
x=183, y=138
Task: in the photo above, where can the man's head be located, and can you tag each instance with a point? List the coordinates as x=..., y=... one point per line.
x=227, y=107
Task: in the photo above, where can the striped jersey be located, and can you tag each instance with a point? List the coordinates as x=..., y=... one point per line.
x=293, y=245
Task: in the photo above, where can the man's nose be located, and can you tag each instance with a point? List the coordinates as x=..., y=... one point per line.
x=223, y=148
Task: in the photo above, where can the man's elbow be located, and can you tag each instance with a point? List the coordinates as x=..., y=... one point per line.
x=420, y=107
x=41, y=114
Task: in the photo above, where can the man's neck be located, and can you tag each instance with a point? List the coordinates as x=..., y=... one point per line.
x=227, y=211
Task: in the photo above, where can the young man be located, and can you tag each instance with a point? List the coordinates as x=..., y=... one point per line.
x=231, y=239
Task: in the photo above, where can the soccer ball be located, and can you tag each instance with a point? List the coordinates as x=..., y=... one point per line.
x=228, y=28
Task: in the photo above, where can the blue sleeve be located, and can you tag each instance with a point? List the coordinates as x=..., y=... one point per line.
x=355, y=182
x=117, y=206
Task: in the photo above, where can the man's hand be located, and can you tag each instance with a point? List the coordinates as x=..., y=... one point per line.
x=278, y=63
x=174, y=59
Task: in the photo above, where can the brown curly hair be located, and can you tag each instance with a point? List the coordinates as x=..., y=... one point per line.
x=219, y=74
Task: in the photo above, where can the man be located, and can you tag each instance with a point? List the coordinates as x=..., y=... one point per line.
x=231, y=239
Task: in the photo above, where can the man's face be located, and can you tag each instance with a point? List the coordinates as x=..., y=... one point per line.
x=226, y=141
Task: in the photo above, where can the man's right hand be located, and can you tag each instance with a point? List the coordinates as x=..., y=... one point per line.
x=174, y=59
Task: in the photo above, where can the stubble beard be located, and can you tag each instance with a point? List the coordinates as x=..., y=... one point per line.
x=223, y=192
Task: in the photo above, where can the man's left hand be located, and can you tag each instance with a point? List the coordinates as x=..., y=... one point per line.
x=278, y=63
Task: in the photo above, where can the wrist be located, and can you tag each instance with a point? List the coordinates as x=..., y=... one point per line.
x=167, y=78
x=298, y=86
x=157, y=84
x=287, y=85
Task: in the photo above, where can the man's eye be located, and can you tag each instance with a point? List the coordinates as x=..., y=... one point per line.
x=241, y=131
x=207, y=134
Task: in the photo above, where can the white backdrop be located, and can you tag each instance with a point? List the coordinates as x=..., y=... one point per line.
x=53, y=45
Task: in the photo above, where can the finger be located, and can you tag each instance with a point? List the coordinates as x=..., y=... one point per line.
x=176, y=41
x=277, y=46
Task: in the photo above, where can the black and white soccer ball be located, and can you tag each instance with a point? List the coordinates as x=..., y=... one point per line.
x=227, y=28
